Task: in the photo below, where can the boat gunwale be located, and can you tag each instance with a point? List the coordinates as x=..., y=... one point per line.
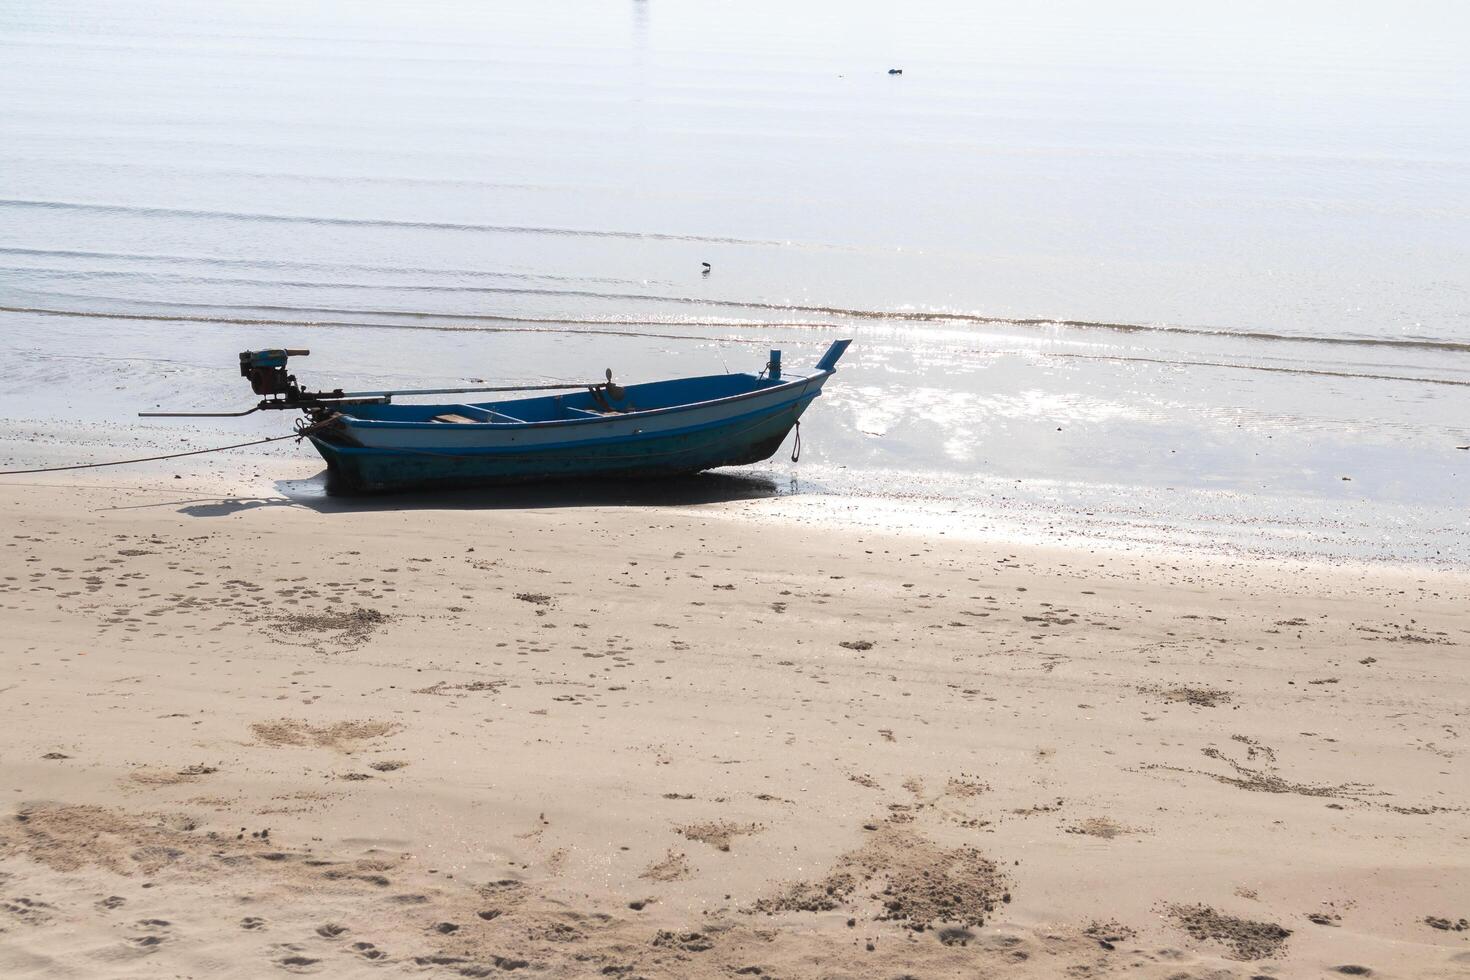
x=354, y=421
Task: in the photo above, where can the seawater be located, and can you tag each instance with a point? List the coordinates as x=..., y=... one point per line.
x=1170, y=273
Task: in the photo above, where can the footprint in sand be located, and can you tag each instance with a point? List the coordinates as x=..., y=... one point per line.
x=342, y=736
x=296, y=963
x=146, y=942
x=1103, y=827
x=32, y=912
x=718, y=833
x=1246, y=939
x=673, y=867
x=156, y=933
x=368, y=951
x=346, y=630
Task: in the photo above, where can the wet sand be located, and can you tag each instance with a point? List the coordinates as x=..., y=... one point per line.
x=253, y=738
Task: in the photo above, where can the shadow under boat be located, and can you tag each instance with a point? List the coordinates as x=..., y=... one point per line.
x=320, y=494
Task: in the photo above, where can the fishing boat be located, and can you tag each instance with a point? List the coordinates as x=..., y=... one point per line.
x=605, y=430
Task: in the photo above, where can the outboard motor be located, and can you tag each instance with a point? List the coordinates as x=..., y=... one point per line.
x=266, y=370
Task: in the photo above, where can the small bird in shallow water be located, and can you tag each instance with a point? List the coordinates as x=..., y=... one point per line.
x=704, y=270
x=895, y=71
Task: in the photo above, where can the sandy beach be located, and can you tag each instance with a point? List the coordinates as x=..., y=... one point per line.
x=253, y=737
x=1106, y=616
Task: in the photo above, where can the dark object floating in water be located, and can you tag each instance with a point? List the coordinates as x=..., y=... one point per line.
x=895, y=71
x=661, y=428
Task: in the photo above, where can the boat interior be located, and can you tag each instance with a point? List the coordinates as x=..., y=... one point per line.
x=599, y=402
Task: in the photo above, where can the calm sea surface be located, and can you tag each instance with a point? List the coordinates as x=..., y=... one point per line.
x=1145, y=271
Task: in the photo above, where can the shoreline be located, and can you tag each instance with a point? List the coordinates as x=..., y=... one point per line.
x=293, y=477
x=996, y=428
x=1109, y=740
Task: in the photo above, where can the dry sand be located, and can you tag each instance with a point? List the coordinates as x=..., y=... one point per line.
x=247, y=740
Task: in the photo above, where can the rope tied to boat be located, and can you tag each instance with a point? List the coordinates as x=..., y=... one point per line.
x=302, y=431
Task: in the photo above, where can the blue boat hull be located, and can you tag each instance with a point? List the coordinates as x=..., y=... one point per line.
x=732, y=441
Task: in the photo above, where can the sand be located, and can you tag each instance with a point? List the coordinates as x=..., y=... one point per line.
x=249, y=739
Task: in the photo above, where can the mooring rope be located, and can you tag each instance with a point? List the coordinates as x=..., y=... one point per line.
x=303, y=431
x=300, y=434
